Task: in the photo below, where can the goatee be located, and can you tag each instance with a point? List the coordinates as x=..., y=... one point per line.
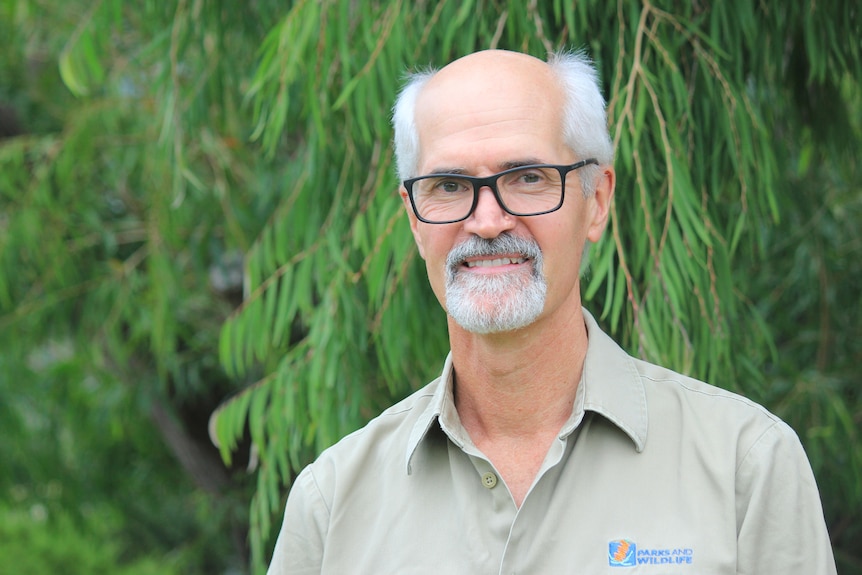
x=495, y=303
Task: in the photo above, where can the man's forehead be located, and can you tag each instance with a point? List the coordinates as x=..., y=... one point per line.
x=494, y=96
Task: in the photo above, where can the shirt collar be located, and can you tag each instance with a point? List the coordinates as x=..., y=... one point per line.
x=610, y=386
x=442, y=400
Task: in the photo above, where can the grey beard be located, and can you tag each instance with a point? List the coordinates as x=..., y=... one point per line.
x=494, y=304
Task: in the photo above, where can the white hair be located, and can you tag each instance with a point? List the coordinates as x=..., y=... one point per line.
x=585, y=127
x=406, y=139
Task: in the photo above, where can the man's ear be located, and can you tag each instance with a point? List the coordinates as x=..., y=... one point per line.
x=413, y=221
x=600, y=203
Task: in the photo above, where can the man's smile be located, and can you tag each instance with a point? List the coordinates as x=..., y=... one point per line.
x=494, y=263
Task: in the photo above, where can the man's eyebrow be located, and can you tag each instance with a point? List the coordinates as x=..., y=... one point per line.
x=519, y=163
x=501, y=167
x=437, y=171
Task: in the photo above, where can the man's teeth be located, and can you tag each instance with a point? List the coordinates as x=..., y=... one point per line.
x=494, y=263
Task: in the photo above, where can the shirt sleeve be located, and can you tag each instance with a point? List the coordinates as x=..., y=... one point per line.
x=299, y=547
x=780, y=525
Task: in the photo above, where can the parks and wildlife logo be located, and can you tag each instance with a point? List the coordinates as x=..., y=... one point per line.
x=625, y=553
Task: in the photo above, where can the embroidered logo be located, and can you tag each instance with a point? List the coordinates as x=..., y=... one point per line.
x=622, y=553
x=625, y=553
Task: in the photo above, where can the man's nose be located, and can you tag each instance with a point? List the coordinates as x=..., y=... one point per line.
x=489, y=219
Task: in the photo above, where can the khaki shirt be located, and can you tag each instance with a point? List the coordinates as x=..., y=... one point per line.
x=654, y=473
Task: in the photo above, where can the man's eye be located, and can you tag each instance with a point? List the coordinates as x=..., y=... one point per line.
x=450, y=186
x=531, y=178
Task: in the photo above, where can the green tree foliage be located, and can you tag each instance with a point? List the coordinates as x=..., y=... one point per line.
x=126, y=194
x=218, y=177
x=32, y=543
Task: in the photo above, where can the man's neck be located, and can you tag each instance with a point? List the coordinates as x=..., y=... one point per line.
x=522, y=384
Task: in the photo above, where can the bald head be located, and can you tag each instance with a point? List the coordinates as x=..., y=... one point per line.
x=489, y=87
x=485, y=85
x=491, y=58
x=489, y=78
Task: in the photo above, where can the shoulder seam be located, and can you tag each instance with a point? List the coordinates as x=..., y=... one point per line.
x=718, y=393
x=319, y=490
x=754, y=444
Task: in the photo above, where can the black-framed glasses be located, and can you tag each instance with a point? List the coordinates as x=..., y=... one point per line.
x=523, y=191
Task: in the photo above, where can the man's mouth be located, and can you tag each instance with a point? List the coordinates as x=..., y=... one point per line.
x=485, y=263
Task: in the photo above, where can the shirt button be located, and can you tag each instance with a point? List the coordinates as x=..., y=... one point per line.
x=489, y=480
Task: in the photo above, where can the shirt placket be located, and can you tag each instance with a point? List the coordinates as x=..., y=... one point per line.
x=518, y=548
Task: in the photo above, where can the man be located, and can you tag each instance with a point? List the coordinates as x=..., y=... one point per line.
x=542, y=447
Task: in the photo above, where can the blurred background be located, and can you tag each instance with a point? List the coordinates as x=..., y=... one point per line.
x=206, y=276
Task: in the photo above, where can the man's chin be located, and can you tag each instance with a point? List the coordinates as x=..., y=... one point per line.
x=494, y=304
x=480, y=316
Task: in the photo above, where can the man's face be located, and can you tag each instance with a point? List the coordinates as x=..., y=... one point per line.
x=495, y=272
